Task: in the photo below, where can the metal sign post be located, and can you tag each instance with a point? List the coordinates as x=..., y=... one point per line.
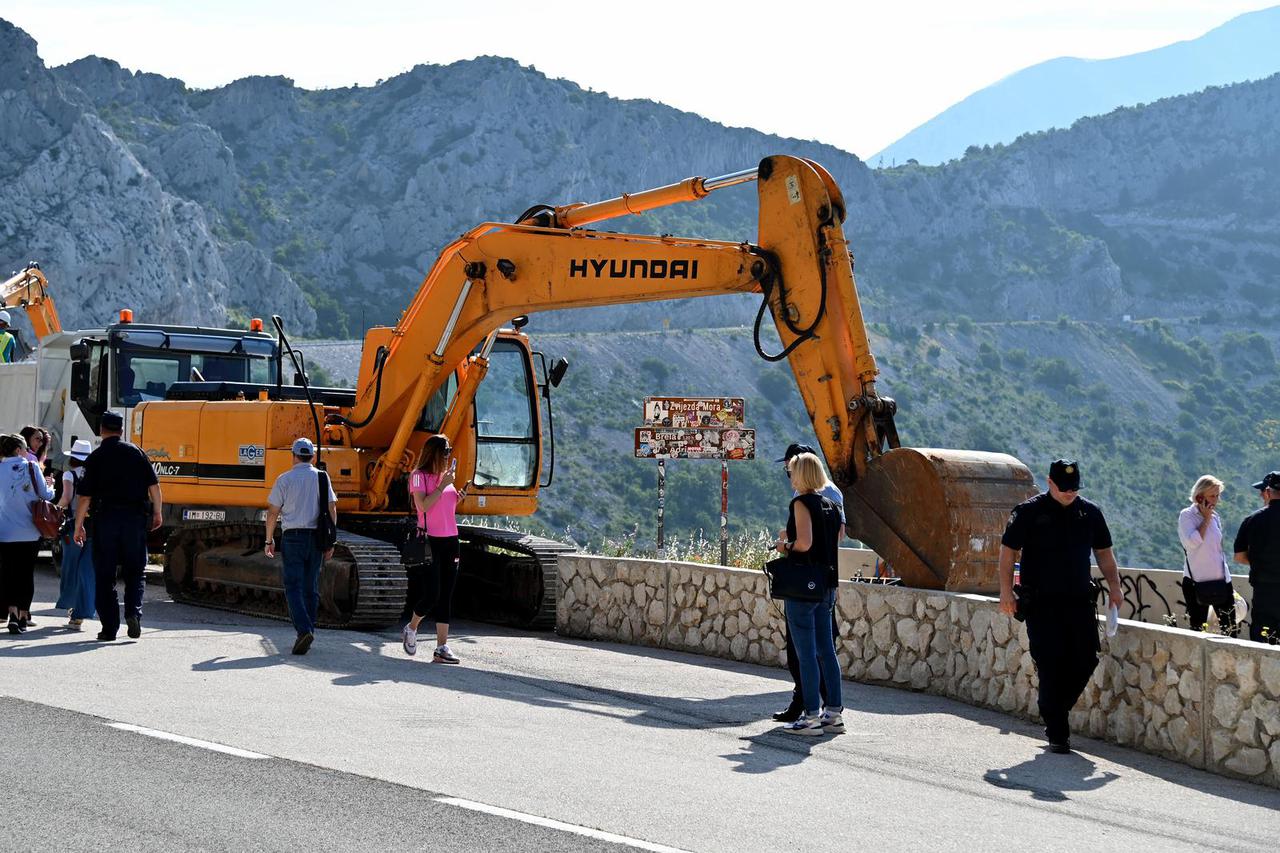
x=724, y=512
x=694, y=428
x=662, y=500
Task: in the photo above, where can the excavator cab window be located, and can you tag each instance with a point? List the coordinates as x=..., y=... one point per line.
x=505, y=409
x=438, y=406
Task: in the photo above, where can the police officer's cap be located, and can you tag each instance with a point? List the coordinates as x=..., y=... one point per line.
x=1065, y=474
x=794, y=450
x=112, y=421
x=1271, y=481
x=303, y=448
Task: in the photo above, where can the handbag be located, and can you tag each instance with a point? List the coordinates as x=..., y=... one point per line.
x=1215, y=593
x=416, y=549
x=326, y=530
x=793, y=580
x=47, y=516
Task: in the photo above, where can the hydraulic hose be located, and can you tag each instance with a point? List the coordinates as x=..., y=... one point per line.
x=380, y=360
x=774, y=275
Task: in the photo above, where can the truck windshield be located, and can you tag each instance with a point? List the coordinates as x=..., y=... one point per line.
x=145, y=373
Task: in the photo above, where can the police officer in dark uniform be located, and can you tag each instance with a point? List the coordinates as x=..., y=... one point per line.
x=1258, y=547
x=1055, y=531
x=118, y=481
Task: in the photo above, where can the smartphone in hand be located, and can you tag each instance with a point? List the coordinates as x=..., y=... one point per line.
x=453, y=465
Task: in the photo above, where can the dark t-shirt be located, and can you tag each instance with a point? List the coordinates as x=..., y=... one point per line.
x=1259, y=537
x=824, y=517
x=117, y=475
x=1056, y=542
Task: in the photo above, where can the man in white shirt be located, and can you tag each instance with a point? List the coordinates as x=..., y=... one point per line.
x=295, y=501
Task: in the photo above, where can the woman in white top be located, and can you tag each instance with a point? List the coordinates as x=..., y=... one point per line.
x=1206, y=580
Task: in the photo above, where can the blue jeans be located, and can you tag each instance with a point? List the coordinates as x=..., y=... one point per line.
x=302, y=561
x=810, y=624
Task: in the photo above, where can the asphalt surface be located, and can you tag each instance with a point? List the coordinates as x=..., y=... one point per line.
x=84, y=786
x=665, y=747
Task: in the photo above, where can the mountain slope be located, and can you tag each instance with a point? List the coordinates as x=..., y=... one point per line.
x=1058, y=92
x=108, y=231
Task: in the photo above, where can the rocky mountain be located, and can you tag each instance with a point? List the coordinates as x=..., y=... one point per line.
x=246, y=197
x=110, y=230
x=1058, y=92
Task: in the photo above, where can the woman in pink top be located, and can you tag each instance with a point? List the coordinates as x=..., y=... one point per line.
x=435, y=498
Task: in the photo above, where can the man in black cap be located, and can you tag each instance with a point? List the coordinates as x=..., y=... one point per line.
x=1258, y=547
x=1055, y=531
x=796, y=708
x=118, y=481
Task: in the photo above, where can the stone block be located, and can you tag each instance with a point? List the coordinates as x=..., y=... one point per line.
x=709, y=582
x=902, y=603
x=1247, y=729
x=1182, y=650
x=657, y=613
x=1221, y=664
x=1273, y=753
x=692, y=638
x=711, y=642
x=935, y=602
x=1000, y=628
x=1226, y=706
x=924, y=639
x=980, y=623
x=908, y=632
x=851, y=604
x=1246, y=677
x=1180, y=734
x=876, y=606
x=1172, y=703
x=1269, y=674
x=882, y=634
x=1220, y=745
x=1267, y=712
x=1247, y=762
x=738, y=647
x=1189, y=686
x=902, y=671
x=879, y=670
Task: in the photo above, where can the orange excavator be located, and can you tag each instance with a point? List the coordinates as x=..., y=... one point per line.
x=29, y=290
x=457, y=363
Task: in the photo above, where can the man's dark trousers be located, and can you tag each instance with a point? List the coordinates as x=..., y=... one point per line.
x=119, y=539
x=1064, y=645
x=1265, y=613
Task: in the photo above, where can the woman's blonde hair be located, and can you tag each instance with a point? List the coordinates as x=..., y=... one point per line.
x=1207, y=483
x=808, y=473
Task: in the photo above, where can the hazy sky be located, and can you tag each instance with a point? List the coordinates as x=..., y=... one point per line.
x=853, y=74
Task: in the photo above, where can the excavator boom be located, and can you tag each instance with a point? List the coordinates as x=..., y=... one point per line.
x=29, y=290
x=801, y=263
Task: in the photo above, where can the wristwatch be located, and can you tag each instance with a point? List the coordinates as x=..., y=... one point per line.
x=270, y=542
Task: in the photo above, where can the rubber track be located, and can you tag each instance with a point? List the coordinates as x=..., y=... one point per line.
x=546, y=551
x=382, y=585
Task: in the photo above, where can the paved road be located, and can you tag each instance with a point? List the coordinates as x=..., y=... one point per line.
x=659, y=746
x=83, y=785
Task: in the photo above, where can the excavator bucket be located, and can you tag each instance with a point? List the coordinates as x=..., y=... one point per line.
x=936, y=516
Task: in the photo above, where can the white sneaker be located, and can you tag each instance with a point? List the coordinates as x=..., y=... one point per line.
x=410, y=639
x=443, y=655
x=805, y=725
x=832, y=721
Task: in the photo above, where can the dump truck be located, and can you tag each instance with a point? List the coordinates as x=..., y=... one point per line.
x=458, y=363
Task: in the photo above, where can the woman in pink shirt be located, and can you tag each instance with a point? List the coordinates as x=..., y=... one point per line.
x=436, y=499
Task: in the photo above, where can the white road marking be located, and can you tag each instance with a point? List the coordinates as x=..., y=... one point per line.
x=189, y=741
x=555, y=824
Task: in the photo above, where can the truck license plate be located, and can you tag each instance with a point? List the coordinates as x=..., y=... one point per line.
x=204, y=515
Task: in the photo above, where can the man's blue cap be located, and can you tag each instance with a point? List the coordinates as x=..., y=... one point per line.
x=304, y=448
x=111, y=421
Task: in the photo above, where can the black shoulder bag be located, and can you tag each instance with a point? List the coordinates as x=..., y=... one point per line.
x=801, y=578
x=326, y=530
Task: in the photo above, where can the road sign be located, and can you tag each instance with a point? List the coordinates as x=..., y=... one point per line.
x=662, y=443
x=684, y=412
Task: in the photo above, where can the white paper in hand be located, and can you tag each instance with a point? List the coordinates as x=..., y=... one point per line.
x=1113, y=620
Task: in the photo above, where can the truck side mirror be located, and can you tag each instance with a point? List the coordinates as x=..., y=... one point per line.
x=79, y=351
x=79, y=379
x=558, y=369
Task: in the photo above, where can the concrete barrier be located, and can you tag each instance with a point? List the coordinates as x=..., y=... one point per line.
x=1208, y=701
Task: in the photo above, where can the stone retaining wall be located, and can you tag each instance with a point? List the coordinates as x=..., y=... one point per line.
x=1208, y=701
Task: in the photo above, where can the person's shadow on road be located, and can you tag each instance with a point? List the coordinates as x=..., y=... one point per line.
x=1048, y=776
x=764, y=753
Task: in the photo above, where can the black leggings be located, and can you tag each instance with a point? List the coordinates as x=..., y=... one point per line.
x=17, y=574
x=439, y=578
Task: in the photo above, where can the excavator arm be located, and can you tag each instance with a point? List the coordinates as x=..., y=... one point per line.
x=29, y=290
x=935, y=515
